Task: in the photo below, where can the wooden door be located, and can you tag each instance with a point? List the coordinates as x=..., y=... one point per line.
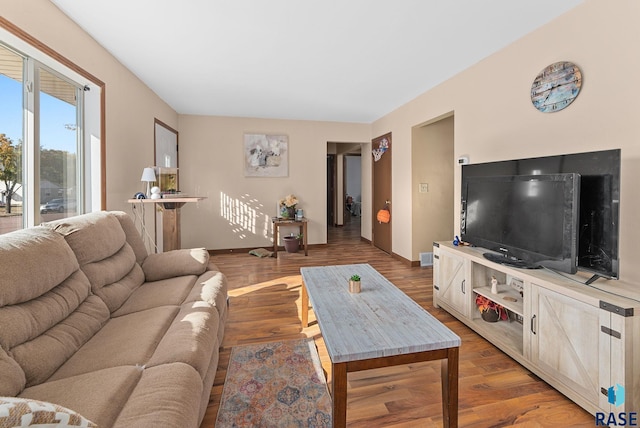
x=381, y=175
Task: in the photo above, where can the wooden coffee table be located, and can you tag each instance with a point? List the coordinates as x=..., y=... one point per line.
x=378, y=327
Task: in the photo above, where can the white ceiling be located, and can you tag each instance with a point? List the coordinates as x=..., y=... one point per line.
x=330, y=60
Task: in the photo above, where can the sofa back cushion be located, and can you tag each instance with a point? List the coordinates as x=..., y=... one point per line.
x=133, y=236
x=105, y=256
x=33, y=262
x=46, y=310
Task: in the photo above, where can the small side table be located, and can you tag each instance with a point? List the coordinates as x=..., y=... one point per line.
x=279, y=221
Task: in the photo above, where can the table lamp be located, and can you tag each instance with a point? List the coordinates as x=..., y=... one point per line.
x=148, y=175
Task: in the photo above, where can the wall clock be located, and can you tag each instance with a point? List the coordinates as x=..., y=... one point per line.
x=556, y=86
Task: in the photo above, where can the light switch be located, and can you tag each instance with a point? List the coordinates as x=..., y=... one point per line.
x=424, y=187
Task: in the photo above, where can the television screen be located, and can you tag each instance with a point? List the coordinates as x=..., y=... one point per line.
x=599, y=200
x=529, y=220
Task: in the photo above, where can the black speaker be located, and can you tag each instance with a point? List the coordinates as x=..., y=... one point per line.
x=139, y=195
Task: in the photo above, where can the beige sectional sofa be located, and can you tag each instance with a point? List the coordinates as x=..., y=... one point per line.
x=91, y=322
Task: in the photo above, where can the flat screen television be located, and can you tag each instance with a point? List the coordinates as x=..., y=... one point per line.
x=599, y=200
x=527, y=220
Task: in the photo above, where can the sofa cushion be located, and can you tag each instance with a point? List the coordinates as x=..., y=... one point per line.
x=210, y=287
x=94, y=236
x=132, y=235
x=172, y=291
x=104, y=254
x=47, y=312
x=191, y=339
x=99, y=396
x=37, y=259
x=125, y=340
x=114, y=278
x=175, y=263
x=23, y=412
x=41, y=356
x=26, y=321
x=12, y=375
x=167, y=396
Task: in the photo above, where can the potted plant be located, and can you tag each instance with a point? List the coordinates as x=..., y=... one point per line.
x=292, y=243
x=490, y=311
x=354, y=284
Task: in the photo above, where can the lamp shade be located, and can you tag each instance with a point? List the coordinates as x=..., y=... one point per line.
x=148, y=174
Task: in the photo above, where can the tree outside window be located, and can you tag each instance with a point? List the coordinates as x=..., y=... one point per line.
x=10, y=169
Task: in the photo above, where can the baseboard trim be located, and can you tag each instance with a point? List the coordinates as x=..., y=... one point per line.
x=269, y=247
x=406, y=262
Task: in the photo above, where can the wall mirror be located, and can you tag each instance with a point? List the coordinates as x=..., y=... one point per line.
x=166, y=157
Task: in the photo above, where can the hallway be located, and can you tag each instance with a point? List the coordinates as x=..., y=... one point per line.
x=348, y=233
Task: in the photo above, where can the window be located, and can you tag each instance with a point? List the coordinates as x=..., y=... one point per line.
x=11, y=112
x=51, y=163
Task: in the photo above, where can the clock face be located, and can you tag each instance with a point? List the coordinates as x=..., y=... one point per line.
x=556, y=87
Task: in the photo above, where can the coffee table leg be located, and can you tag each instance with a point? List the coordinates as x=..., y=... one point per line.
x=304, y=313
x=339, y=394
x=450, y=389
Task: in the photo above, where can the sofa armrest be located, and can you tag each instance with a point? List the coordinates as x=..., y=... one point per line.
x=175, y=263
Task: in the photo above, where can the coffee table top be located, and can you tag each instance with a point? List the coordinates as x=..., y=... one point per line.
x=379, y=321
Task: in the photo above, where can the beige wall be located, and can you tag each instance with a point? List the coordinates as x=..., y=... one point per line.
x=237, y=212
x=432, y=211
x=130, y=105
x=495, y=120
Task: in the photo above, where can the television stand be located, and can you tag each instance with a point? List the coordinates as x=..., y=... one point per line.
x=581, y=340
x=508, y=261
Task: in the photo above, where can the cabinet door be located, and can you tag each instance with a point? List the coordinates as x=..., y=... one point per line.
x=565, y=341
x=452, y=287
x=617, y=350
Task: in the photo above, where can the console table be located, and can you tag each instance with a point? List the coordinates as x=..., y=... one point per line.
x=170, y=218
x=379, y=327
x=581, y=339
x=279, y=221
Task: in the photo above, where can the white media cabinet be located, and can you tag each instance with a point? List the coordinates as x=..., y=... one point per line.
x=576, y=337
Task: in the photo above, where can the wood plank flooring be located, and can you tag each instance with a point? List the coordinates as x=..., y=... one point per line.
x=494, y=390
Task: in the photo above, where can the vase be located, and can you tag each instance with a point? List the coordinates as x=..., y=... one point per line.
x=490, y=315
x=289, y=212
x=354, y=286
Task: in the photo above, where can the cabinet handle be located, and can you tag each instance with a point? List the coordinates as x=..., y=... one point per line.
x=462, y=286
x=533, y=318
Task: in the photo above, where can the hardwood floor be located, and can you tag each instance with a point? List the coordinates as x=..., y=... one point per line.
x=494, y=390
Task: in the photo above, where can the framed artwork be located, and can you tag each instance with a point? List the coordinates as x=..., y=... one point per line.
x=266, y=155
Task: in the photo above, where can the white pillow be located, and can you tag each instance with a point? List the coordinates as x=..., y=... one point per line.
x=23, y=412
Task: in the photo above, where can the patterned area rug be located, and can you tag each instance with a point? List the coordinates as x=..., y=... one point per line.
x=279, y=384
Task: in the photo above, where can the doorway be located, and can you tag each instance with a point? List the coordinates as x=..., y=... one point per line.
x=352, y=188
x=433, y=171
x=344, y=178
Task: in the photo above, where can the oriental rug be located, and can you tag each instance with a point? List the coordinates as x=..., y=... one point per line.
x=278, y=384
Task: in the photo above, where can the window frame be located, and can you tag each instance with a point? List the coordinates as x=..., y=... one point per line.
x=48, y=59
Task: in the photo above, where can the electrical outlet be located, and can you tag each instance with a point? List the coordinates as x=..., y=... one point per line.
x=424, y=187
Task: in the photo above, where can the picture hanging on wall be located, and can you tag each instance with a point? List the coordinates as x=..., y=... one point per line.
x=266, y=155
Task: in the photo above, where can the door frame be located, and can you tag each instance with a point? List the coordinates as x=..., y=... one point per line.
x=374, y=210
